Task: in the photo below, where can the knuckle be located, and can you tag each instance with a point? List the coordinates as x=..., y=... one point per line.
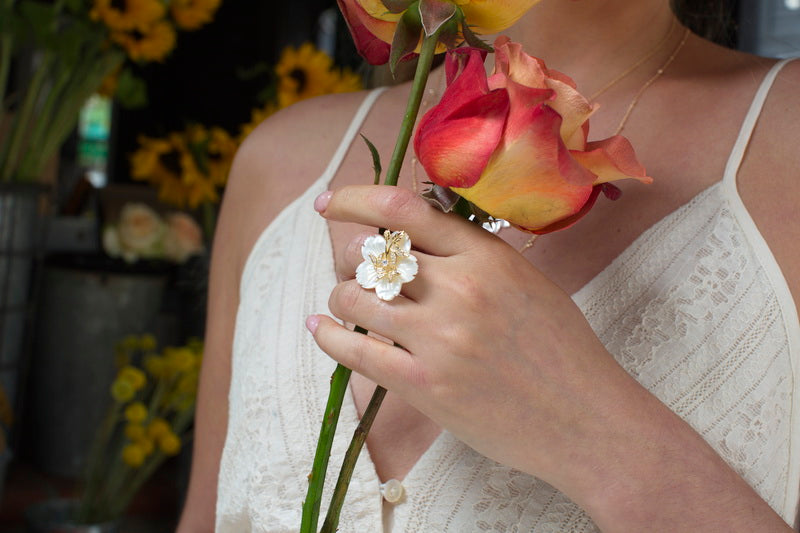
x=344, y=299
x=361, y=351
x=396, y=202
x=353, y=249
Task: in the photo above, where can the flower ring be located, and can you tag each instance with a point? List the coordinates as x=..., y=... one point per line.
x=387, y=264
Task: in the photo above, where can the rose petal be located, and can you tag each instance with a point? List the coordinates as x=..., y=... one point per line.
x=455, y=151
x=513, y=67
x=492, y=16
x=371, y=36
x=531, y=180
x=612, y=159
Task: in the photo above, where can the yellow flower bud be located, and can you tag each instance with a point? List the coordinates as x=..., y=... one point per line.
x=182, y=359
x=135, y=432
x=155, y=365
x=146, y=445
x=157, y=428
x=122, y=390
x=169, y=443
x=147, y=342
x=195, y=344
x=129, y=342
x=133, y=455
x=136, y=412
x=135, y=376
x=187, y=384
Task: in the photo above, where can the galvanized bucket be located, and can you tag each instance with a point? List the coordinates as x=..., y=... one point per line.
x=82, y=314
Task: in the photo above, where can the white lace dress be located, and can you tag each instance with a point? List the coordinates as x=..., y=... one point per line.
x=696, y=309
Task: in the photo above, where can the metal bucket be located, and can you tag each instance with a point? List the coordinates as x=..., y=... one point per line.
x=20, y=240
x=82, y=314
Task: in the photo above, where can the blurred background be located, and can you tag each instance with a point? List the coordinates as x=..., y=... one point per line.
x=118, y=125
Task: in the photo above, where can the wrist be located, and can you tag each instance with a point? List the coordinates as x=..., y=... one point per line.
x=650, y=471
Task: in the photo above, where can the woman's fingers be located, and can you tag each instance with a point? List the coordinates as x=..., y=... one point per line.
x=389, y=366
x=398, y=209
x=394, y=320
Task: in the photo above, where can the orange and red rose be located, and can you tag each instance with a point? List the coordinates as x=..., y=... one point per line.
x=515, y=143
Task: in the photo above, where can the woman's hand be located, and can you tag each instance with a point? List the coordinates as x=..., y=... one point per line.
x=502, y=358
x=494, y=352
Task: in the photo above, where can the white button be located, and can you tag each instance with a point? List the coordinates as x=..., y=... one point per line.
x=392, y=491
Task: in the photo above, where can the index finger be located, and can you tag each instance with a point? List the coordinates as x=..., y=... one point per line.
x=395, y=208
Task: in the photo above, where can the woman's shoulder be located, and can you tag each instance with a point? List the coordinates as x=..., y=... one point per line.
x=277, y=162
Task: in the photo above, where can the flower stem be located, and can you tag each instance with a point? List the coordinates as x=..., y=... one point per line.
x=316, y=479
x=424, y=63
x=350, y=458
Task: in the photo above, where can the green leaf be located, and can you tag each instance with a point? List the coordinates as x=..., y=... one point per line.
x=397, y=6
x=406, y=37
x=40, y=18
x=376, y=159
x=131, y=91
x=434, y=13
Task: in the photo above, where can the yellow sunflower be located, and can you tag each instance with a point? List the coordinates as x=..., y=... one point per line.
x=303, y=73
x=158, y=162
x=192, y=14
x=221, y=149
x=188, y=167
x=127, y=15
x=153, y=43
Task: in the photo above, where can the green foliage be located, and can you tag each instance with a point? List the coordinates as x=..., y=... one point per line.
x=131, y=90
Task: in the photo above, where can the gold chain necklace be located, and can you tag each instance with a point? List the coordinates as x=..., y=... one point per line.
x=650, y=82
x=638, y=63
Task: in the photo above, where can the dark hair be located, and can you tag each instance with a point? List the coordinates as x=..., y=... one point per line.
x=713, y=19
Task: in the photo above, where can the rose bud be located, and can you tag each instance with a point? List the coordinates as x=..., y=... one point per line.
x=514, y=144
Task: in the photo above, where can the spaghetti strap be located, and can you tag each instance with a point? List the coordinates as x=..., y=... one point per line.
x=349, y=135
x=749, y=123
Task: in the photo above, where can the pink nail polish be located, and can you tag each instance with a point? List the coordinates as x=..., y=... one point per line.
x=312, y=322
x=322, y=201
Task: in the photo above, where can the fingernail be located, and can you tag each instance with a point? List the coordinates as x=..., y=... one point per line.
x=322, y=201
x=312, y=322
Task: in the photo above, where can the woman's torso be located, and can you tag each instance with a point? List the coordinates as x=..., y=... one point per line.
x=638, y=211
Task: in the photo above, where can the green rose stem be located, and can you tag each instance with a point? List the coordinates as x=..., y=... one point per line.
x=341, y=375
x=350, y=457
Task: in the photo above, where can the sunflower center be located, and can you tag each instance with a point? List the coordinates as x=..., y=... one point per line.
x=300, y=76
x=171, y=161
x=119, y=5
